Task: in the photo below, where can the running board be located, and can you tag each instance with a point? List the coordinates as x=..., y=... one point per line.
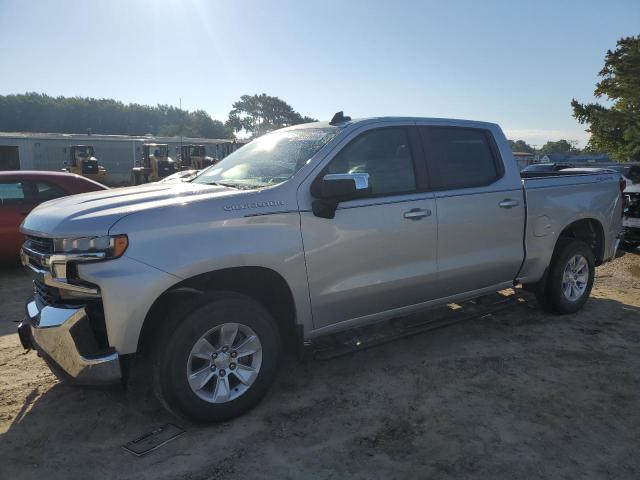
x=361, y=338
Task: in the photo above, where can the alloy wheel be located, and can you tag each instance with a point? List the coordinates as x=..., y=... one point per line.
x=224, y=362
x=575, y=278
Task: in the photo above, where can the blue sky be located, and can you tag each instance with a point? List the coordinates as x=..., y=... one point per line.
x=515, y=63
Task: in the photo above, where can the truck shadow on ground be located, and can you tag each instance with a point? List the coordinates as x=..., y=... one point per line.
x=518, y=393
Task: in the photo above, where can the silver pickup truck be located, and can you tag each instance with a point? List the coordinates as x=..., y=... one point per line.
x=304, y=232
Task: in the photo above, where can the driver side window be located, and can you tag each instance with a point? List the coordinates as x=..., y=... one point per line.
x=385, y=154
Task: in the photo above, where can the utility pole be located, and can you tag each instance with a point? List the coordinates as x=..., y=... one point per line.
x=181, y=128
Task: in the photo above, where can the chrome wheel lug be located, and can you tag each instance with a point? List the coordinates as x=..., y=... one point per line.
x=222, y=373
x=234, y=354
x=232, y=366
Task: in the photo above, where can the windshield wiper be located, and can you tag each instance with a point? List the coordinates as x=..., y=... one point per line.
x=237, y=186
x=221, y=184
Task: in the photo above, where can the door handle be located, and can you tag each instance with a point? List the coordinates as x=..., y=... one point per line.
x=417, y=213
x=509, y=203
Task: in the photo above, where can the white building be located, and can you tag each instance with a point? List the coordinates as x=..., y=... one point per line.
x=117, y=153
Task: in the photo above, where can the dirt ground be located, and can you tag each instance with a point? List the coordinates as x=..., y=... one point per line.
x=519, y=394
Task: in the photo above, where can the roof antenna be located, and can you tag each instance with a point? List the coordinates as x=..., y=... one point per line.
x=339, y=118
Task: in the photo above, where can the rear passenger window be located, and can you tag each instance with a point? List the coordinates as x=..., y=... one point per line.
x=460, y=157
x=12, y=193
x=48, y=191
x=385, y=154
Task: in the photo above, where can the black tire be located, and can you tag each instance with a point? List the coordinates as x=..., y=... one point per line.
x=552, y=297
x=172, y=350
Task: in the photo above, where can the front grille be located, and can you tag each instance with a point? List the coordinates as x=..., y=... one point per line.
x=165, y=169
x=40, y=244
x=49, y=295
x=89, y=167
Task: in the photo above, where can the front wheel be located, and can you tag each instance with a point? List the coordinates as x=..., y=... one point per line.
x=219, y=361
x=570, y=279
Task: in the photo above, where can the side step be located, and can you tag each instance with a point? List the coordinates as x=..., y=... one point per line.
x=361, y=338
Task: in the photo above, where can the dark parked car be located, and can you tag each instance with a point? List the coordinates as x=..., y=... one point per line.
x=21, y=191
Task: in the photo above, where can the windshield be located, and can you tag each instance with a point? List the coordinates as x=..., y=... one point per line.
x=268, y=160
x=196, y=151
x=158, y=150
x=84, y=152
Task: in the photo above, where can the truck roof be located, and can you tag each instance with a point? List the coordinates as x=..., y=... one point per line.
x=367, y=120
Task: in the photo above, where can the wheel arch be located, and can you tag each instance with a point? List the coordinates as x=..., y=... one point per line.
x=262, y=284
x=588, y=230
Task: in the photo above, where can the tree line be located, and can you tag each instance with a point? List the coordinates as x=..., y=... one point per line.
x=559, y=146
x=36, y=112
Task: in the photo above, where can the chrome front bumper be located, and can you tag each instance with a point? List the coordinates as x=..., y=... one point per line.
x=53, y=332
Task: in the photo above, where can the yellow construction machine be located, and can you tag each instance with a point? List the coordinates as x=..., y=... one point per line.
x=82, y=161
x=156, y=164
x=193, y=157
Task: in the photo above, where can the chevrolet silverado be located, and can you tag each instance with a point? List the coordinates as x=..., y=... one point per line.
x=304, y=232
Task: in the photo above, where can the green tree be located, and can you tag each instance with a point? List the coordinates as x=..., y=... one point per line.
x=521, y=146
x=259, y=114
x=561, y=146
x=616, y=129
x=34, y=112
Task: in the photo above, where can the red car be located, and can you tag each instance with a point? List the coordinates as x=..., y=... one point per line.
x=21, y=191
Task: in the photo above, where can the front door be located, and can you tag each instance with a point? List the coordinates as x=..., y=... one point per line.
x=379, y=252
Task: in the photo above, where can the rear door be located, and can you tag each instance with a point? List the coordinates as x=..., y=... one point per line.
x=379, y=252
x=480, y=209
x=16, y=201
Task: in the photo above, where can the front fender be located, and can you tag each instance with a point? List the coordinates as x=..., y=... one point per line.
x=184, y=246
x=129, y=288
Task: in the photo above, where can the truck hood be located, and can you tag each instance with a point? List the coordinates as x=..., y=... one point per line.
x=92, y=214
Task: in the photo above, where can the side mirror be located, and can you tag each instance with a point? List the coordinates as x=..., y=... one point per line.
x=337, y=187
x=343, y=185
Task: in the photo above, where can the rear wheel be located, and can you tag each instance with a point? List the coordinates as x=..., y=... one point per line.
x=219, y=361
x=570, y=278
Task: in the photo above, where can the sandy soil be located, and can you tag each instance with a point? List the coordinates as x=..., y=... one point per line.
x=520, y=394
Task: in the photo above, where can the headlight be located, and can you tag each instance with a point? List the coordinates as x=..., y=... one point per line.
x=112, y=246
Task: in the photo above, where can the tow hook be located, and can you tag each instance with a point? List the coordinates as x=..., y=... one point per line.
x=24, y=332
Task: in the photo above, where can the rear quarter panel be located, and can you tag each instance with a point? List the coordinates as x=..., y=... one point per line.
x=553, y=203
